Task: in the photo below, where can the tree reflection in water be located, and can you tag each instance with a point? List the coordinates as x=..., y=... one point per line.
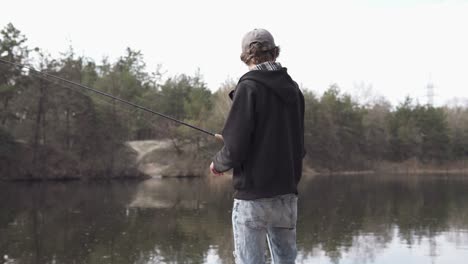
x=342, y=219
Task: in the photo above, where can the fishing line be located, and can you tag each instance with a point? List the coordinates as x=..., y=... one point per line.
x=146, y=119
x=97, y=99
x=75, y=90
x=101, y=100
x=105, y=94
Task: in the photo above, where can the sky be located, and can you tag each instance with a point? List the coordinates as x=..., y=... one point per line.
x=389, y=48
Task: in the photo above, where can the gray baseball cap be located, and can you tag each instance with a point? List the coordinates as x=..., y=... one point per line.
x=259, y=35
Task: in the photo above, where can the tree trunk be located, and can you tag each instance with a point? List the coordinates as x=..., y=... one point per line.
x=39, y=159
x=67, y=128
x=5, y=110
x=37, y=126
x=112, y=153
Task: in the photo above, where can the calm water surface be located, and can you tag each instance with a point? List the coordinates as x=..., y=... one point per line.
x=347, y=219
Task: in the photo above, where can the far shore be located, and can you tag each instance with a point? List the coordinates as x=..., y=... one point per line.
x=159, y=159
x=308, y=172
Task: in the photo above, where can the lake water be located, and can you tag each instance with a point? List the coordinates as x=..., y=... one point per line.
x=342, y=219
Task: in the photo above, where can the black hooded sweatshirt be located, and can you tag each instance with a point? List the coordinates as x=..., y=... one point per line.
x=264, y=136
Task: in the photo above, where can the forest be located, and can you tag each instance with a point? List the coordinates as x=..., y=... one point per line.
x=48, y=131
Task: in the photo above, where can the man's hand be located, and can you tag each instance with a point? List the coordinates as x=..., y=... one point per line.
x=219, y=136
x=212, y=169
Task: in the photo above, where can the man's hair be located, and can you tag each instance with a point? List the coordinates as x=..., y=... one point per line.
x=256, y=54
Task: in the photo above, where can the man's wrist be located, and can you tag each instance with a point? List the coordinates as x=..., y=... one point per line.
x=215, y=169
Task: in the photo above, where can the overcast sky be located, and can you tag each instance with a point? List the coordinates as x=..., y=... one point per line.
x=395, y=46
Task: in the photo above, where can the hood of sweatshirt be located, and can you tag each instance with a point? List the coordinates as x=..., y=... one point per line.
x=277, y=81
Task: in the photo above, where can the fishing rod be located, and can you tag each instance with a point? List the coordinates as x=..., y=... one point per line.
x=110, y=96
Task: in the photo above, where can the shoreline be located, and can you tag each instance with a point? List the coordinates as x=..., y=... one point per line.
x=308, y=173
x=76, y=179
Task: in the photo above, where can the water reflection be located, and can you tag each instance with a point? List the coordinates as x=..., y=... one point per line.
x=350, y=219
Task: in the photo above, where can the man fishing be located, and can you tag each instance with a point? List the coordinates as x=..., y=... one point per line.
x=264, y=145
